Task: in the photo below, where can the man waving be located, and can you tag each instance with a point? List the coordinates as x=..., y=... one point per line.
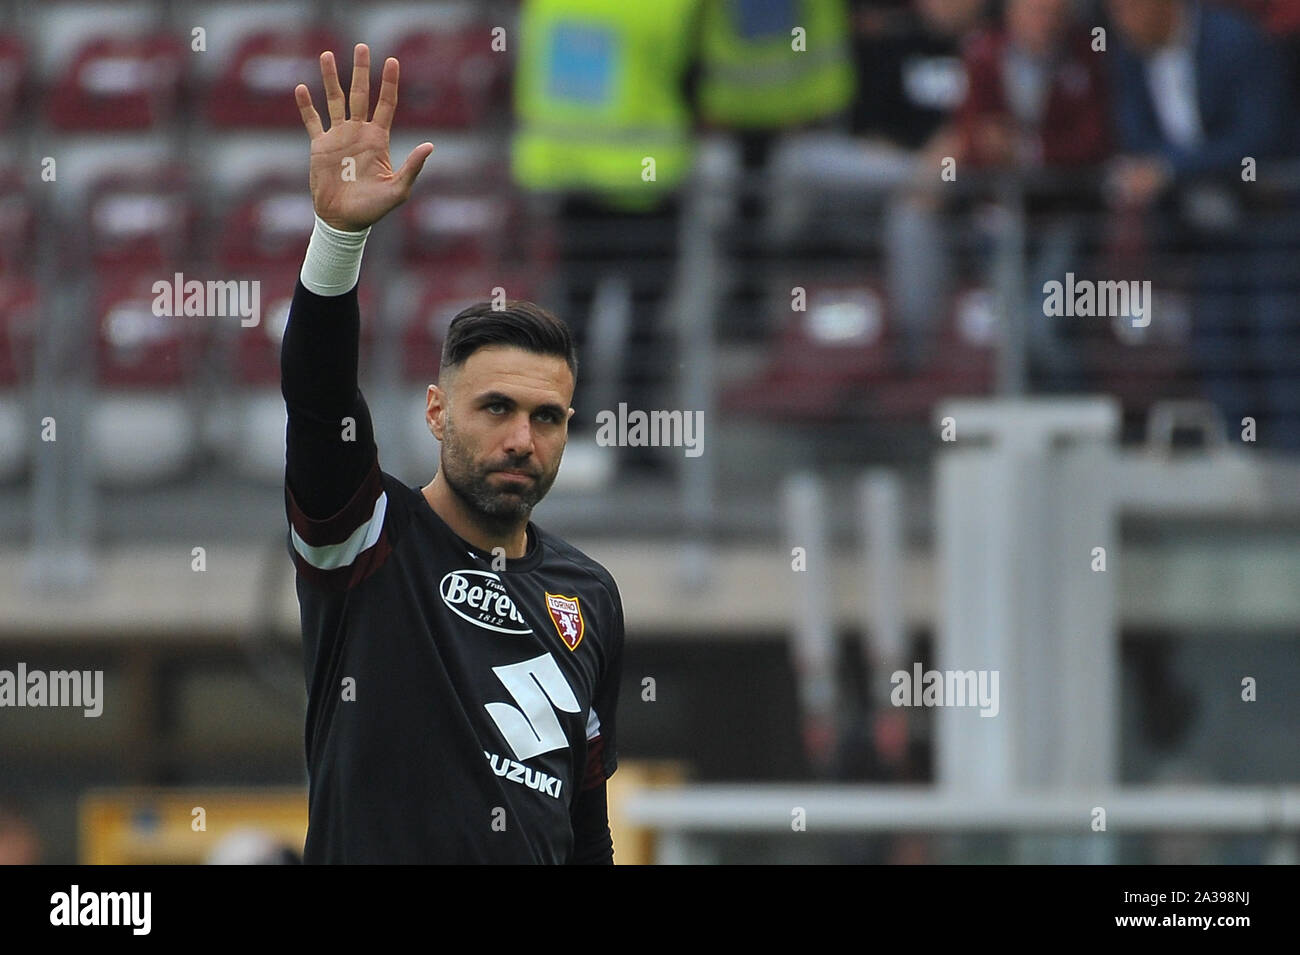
x=462, y=663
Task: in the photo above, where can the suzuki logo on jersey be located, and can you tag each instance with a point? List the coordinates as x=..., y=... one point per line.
x=567, y=617
x=517, y=772
x=539, y=688
x=479, y=597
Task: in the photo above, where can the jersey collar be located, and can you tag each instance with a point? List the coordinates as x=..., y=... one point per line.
x=532, y=555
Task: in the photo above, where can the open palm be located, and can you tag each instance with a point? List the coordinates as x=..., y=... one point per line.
x=353, y=184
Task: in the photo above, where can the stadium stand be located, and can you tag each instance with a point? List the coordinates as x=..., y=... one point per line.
x=19, y=308
x=120, y=83
x=250, y=90
x=13, y=76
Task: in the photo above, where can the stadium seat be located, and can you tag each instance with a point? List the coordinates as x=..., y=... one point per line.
x=466, y=222
x=19, y=313
x=1142, y=365
x=19, y=305
x=136, y=347
x=17, y=225
x=451, y=79
x=119, y=83
x=141, y=427
x=142, y=220
x=268, y=226
x=254, y=89
x=823, y=358
x=13, y=76
x=961, y=362
x=965, y=362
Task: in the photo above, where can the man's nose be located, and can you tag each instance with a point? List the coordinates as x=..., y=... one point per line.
x=519, y=440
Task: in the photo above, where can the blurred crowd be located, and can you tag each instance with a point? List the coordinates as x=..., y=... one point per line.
x=1145, y=136
x=881, y=155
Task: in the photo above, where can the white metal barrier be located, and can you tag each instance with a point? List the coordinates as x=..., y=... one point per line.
x=680, y=815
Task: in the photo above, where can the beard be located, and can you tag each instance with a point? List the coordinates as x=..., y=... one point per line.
x=495, y=507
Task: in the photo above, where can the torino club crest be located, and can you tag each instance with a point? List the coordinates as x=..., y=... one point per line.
x=567, y=617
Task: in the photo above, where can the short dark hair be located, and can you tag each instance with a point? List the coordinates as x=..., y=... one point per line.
x=519, y=324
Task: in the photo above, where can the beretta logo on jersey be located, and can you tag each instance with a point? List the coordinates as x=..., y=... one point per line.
x=479, y=597
x=567, y=617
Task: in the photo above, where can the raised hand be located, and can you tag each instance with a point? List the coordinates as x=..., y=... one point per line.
x=353, y=184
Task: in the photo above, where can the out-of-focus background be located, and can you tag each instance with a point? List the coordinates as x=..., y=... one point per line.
x=824, y=231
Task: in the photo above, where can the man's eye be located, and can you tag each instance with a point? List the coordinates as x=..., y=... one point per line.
x=550, y=417
x=496, y=407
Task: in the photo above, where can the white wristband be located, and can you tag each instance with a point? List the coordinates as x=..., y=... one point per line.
x=333, y=262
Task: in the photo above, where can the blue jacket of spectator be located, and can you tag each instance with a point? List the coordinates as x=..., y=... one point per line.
x=1241, y=88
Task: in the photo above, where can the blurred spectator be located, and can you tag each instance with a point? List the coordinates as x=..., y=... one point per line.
x=756, y=75
x=1036, y=92
x=911, y=76
x=912, y=79
x=1199, y=90
x=599, y=91
x=1037, y=100
x=20, y=844
x=1278, y=17
x=758, y=80
x=1281, y=20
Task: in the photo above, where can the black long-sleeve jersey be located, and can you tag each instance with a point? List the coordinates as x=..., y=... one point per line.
x=459, y=710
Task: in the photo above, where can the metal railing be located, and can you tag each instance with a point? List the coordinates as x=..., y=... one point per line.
x=684, y=818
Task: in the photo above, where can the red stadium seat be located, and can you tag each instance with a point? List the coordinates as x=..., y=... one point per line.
x=269, y=226
x=255, y=87
x=451, y=79
x=824, y=357
x=965, y=362
x=17, y=224
x=141, y=428
x=467, y=223
x=19, y=314
x=961, y=361
x=120, y=83
x=142, y=220
x=19, y=309
x=13, y=76
x=137, y=348
x=1142, y=365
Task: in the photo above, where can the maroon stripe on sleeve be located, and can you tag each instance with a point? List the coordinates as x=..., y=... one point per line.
x=339, y=527
x=345, y=578
x=595, y=773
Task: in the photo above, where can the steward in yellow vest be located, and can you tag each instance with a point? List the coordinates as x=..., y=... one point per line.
x=600, y=101
x=770, y=64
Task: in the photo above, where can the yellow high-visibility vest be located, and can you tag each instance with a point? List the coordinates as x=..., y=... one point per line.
x=598, y=97
x=774, y=63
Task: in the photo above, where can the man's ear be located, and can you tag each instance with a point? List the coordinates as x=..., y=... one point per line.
x=435, y=411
